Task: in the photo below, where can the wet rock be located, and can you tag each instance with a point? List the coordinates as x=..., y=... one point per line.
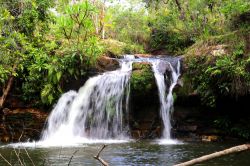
x=209, y=138
x=13, y=102
x=21, y=125
x=143, y=55
x=188, y=128
x=105, y=63
x=163, y=67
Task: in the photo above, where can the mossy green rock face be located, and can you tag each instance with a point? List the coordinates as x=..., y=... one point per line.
x=142, y=79
x=144, y=102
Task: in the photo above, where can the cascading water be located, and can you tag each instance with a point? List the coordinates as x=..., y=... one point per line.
x=166, y=96
x=100, y=109
x=95, y=112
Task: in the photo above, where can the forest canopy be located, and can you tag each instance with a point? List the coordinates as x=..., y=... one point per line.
x=44, y=44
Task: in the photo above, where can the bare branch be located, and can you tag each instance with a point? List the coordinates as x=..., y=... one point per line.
x=178, y=5
x=19, y=139
x=97, y=157
x=18, y=157
x=5, y=159
x=29, y=157
x=72, y=157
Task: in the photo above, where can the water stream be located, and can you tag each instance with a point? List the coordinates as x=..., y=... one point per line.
x=141, y=153
x=99, y=111
x=166, y=95
x=96, y=112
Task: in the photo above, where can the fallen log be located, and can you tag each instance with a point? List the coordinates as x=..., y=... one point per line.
x=234, y=149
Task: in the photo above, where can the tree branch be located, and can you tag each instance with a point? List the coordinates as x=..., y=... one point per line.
x=72, y=157
x=97, y=157
x=5, y=160
x=178, y=5
x=234, y=149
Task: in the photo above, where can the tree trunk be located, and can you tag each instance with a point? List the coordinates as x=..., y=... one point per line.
x=178, y=5
x=234, y=149
x=7, y=89
x=102, y=21
x=95, y=19
x=181, y=10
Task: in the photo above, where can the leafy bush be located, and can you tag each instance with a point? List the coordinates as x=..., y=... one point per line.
x=130, y=26
x=113, y=47
x=46, y=49
x=220, y=75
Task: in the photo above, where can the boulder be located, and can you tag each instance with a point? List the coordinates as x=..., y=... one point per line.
x=105, y=63
x=209, y=138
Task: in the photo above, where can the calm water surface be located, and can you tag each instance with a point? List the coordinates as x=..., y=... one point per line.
x=145, y=153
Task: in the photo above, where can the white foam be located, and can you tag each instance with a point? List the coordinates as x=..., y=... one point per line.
x=168, y=142
x=77, y=142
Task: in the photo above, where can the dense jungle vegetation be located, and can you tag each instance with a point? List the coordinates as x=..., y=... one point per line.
x=45, y=44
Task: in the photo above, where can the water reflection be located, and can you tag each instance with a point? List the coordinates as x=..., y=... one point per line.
x=126, y=154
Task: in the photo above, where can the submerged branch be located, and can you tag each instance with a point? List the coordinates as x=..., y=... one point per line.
x=97, y=157
x=5, y=160
x=72, y=157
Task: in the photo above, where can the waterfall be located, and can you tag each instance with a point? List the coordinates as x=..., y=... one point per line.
x=99, y=110
x=166, y=95
x=96, y=112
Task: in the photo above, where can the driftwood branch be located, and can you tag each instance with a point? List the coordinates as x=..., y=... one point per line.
x=29, y=157
x=7, y=162
x=72, y=157
x=97, y=157
x=234, y=149
x=18, y=157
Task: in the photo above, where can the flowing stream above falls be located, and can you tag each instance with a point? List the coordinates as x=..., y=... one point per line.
x=100, y=109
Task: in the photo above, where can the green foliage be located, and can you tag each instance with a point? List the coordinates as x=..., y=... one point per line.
x=236, y=8
x=142, y=77
x=114, y=47
x=129, y=26
x=176, y=25
x=221, y=64
x=46, y=49
x=225, y=77
x=76, y=25
x=239, y=128
x=226, y=74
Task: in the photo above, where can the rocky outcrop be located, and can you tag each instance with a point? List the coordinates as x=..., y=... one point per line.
x=21, y=124
x=105, y=63
x=144, y=112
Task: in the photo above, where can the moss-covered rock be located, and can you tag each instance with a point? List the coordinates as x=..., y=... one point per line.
x=142, y=79
x=144, y=106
